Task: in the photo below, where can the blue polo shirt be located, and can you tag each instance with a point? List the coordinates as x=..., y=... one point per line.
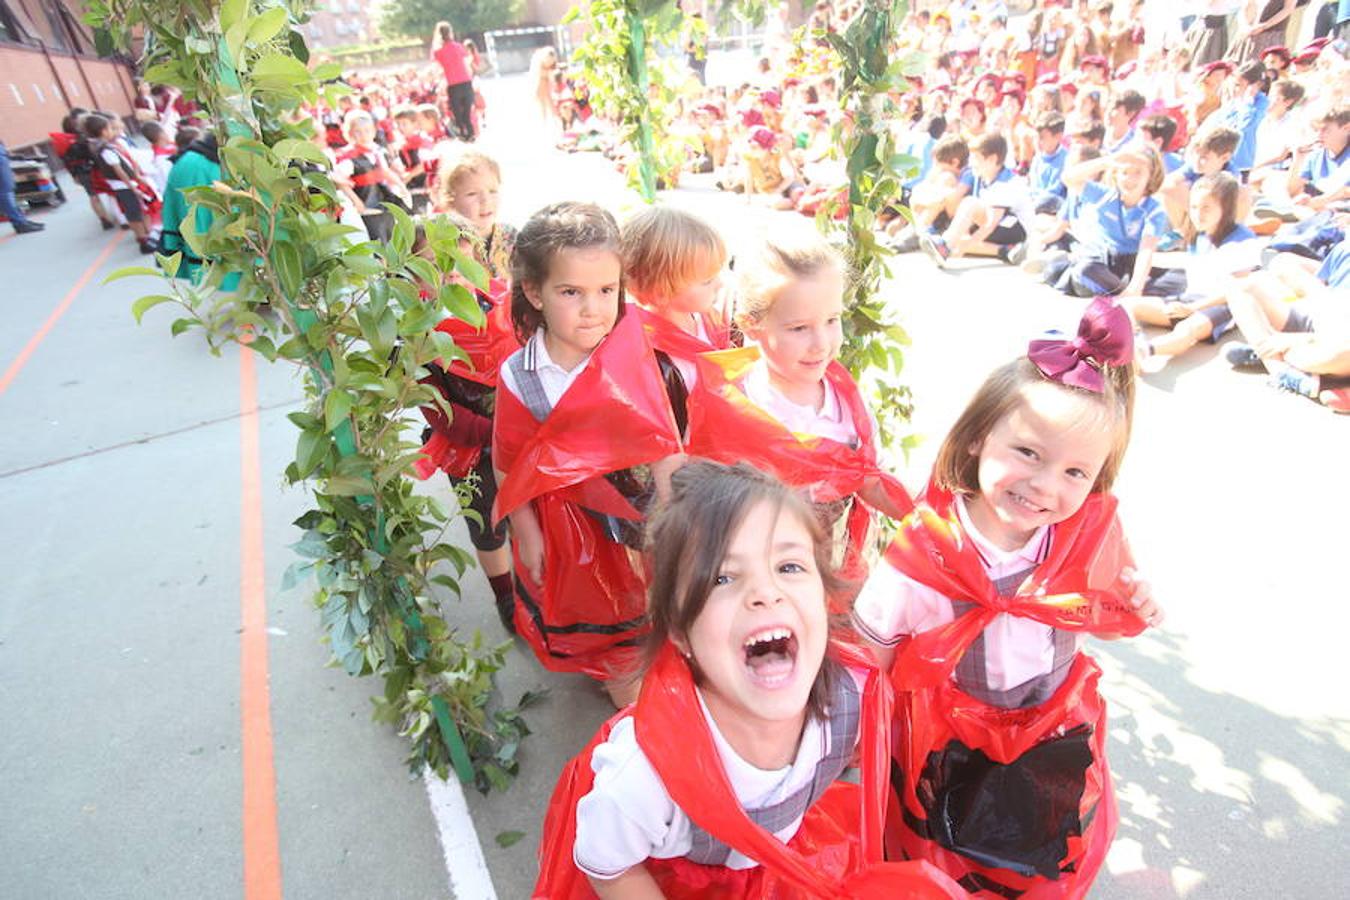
x=1122, y=143
x=1239, y=233
x=1046, y=175
x=919, y=146
x=1244, y=116
x=1325, y=172
x=1193, y=176
x=1172, y=162
x=1335, y=269
x=1108, y=225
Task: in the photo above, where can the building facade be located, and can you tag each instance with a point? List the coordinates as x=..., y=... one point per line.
x=341, y=23
x=48, y=65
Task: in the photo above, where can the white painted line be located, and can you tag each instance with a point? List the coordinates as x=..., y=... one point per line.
x=464, y=862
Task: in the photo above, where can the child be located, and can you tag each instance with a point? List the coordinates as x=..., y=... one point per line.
x=1221, y=246
x=1119, y=228
x=163, y=149
x=1047, y=166
x=72, y=145
x=1244, y=113
x=995, y=219
x=1125, y=109
x=470, y=183
x=580, y=405
x=934, y=200
x=363, y=166
x=673, y=263
x=784, y=403
x=1159, y=131
x=722, y=780
x=118, y=173
x=412, y=145
x=978, y=612
x=1211, y=152
x=1321, y=171
x=461, y=445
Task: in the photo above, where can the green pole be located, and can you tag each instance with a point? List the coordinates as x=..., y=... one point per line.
x=637, y=72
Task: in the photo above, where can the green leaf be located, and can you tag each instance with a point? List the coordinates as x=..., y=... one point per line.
x=231, y=11
x=235, y=36
x=277, y=71
x=309, y=451
x=169, y=263
x=347, y=486
x=130, y=271
x=471, y=269
x=336, y=407
x=460, y=302
x=139, y=308
x=181, y=325
x=327, y=71
x=296, y=41
x=292, y=148
x=286, y=257
x=267, y=25
x=510, y=838
x=418, y=320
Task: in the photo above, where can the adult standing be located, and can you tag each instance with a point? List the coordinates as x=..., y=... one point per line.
x=454, y=61
x=9, y=205
x=1208, y=37
x=1261, y=24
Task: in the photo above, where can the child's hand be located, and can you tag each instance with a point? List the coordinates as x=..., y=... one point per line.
x=1142, y=599
x=530, y=546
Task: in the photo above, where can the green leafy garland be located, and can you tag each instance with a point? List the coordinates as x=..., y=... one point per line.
x=627, y=80
x=351, y=315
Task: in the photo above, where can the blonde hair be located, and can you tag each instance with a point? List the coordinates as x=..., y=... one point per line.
x=464, y=160
x=665, y=249
x=784, y=255
x=356, y=115
x=957, y=468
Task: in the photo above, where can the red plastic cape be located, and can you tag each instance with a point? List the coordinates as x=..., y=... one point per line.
x=670, y=338
x=725, y=425
x=836, y=853
x=1078, y=588
x=487, y=347
x=615, y=415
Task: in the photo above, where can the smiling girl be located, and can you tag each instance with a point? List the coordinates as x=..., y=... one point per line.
x=784, y=403
x=979, y=610
x=721, y=780
x=581, y=405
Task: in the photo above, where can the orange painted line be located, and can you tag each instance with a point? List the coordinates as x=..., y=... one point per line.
x=262, y=855
x=57, y=313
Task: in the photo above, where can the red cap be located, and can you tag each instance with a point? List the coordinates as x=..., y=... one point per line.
x=771, y=97
x=1048, y=78
x=751, y=117
x=815, y=109
x=1278, y=50
x=1017, y=78
x=1017, y=92
x=763, y=136
x=1068, y=87
x=1215, y=66
x=1126, y=70
x=1095, y=60
x=710, y=108
x=1307, y=58
x=791, y=81
x=972, y=101
x=1317, y=44
x=990, y=77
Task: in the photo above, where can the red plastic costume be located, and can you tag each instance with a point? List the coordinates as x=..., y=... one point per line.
x=589, y=613
x=670, y=338
x=971, y=776
x=726, y=426
x=836, y=852
x=487, y=347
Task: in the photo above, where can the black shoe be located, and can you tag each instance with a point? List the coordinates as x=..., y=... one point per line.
x=108, y=226
x=148, y=247
x=27, y=227
x=506, y=607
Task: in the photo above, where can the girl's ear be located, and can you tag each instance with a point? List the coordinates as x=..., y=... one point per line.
x=682, y=644
x=532, y=294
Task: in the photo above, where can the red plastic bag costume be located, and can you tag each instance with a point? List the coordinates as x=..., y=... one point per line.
x=836, y=852
x=670, y=338
x=589, y=613
x=487, y=347
x=991, y=782
x=726, y=426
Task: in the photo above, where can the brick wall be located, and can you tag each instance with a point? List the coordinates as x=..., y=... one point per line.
x=31, y=99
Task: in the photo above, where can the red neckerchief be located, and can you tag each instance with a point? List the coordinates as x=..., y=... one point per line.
x=670, y=338
x=1077, y=587
x=725, y=425
x=614, y=416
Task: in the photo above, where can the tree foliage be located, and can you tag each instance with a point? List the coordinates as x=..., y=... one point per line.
x=417, y=18
x=350, y=314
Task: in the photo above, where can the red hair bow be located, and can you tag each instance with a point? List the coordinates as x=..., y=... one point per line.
x=1105, y=337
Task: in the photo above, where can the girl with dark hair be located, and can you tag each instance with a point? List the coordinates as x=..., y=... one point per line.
x=456, y=63
x=582, y=430
x=722, y=779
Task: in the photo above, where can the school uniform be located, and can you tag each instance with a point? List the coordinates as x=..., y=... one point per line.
x=706, y=823
x=1046, y=179
x=736, y=415
x=1172, y=162
x=364, y=167
x=1210, y=264
x=1244, y=116
x=1008, y=193
x=1123, y=143
x=1323, y=173
x=992, y=692
x=677, y=353
x=1109, y=240
x=567, y=442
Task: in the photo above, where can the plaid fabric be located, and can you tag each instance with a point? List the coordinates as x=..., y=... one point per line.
x=844, y=712
x=525, y=367
x=972, y=671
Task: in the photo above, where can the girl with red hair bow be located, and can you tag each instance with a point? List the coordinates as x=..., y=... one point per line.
x=979, y=611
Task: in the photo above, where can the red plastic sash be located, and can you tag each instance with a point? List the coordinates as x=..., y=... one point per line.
x=725, y=425
x=693, y=775
x=670, y=338
x=614, y=416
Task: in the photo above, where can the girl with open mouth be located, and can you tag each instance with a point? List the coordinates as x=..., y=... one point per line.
x=722, y=779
